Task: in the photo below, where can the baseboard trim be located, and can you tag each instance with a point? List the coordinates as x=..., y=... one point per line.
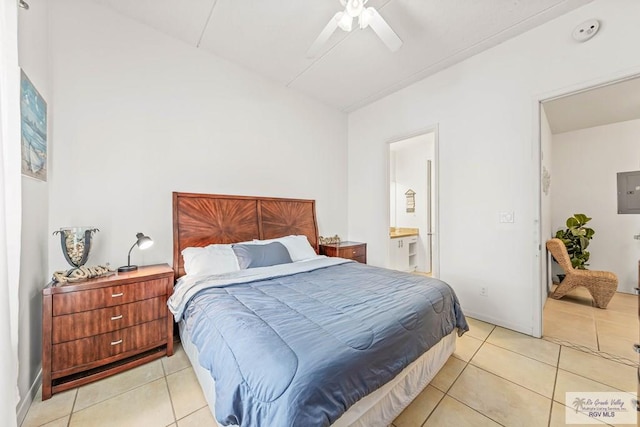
x=499, y=322
x=25, y=402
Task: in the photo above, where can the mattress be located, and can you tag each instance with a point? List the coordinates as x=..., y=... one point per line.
x=379, y=408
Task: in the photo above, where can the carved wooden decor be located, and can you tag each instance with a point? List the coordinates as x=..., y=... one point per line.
x=204, y=219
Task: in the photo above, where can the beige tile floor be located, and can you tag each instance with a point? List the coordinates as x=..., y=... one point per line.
x=495, y=377
x=574, y=319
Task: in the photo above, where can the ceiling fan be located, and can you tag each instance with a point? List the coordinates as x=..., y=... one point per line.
x=367, y=17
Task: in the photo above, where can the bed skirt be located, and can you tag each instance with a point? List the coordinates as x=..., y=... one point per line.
x=379, y=408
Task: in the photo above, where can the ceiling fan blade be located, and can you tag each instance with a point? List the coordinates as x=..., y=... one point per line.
x=331, y=26
x=382, y=29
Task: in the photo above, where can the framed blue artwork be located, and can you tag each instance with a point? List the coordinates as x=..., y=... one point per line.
x=33, y=121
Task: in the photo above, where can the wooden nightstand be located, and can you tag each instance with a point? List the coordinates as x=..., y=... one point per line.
x=103, y=326
x=356, y=251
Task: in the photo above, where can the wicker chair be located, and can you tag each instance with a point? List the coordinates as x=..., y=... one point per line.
x=602, y=285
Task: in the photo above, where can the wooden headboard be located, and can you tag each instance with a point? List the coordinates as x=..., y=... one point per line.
x=205, y=219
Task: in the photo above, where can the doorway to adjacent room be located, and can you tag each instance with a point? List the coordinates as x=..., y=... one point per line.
x=413, y=204
x=586, y=139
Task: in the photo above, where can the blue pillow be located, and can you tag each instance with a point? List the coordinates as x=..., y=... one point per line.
x=253, y=256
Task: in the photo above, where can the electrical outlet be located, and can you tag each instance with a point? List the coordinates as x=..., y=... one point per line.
x=507, y=217
x=484, y=291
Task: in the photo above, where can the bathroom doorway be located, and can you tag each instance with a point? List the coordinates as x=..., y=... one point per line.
x=413, y=204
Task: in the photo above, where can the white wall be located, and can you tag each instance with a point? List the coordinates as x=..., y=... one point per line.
x=33, y=48
x=585, y=163
x=139, y=115
x=487, y=114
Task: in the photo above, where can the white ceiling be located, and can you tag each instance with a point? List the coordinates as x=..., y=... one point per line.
x=353, y=69
x=614, y=103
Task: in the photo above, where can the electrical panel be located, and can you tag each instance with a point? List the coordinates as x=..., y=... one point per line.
x=629, y=192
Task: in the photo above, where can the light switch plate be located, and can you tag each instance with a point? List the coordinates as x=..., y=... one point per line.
x=507, y=217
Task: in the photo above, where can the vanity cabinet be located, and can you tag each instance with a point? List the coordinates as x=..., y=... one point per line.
x=403, y=253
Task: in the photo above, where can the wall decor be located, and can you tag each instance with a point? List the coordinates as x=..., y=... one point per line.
x=546, y=180
x=411, y=200
x=33, y=121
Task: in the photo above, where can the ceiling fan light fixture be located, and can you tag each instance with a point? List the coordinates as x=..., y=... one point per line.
x=365, y=17
x=345, y=22
x=354, y=7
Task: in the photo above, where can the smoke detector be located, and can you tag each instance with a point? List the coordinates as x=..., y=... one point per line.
x=586, y=30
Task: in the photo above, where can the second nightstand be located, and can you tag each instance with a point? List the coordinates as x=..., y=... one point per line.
x=356, y=251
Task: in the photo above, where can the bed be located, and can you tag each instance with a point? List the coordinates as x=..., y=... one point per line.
x=308, y=341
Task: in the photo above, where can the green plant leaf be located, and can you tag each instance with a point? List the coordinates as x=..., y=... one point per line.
x=577, y=232
x=582, y=218
x=572, y=222
x=584, y=242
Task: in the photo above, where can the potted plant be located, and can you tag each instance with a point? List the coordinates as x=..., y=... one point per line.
x=576, y=238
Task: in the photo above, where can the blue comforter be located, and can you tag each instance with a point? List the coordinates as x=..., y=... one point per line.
x=300, y=349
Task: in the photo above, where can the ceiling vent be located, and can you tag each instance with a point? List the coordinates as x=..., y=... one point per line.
x=586, y=30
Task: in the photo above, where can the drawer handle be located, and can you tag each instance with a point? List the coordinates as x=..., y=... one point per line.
x=118, y=317
x=354, y=252
x=116, y=342
x=117, y=295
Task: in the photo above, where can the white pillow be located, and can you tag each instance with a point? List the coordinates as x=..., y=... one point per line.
x=298, y=247
x=212, y=259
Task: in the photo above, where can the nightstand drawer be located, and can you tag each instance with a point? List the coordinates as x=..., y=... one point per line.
x=75, y=355
x=352, y=252
x=356, y=251
x=75, y=302
x=88, y=323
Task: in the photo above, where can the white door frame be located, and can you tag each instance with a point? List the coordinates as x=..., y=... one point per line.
x=435, y=232
x=540, y=291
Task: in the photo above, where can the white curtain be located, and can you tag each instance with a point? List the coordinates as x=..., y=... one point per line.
x=10, y=209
